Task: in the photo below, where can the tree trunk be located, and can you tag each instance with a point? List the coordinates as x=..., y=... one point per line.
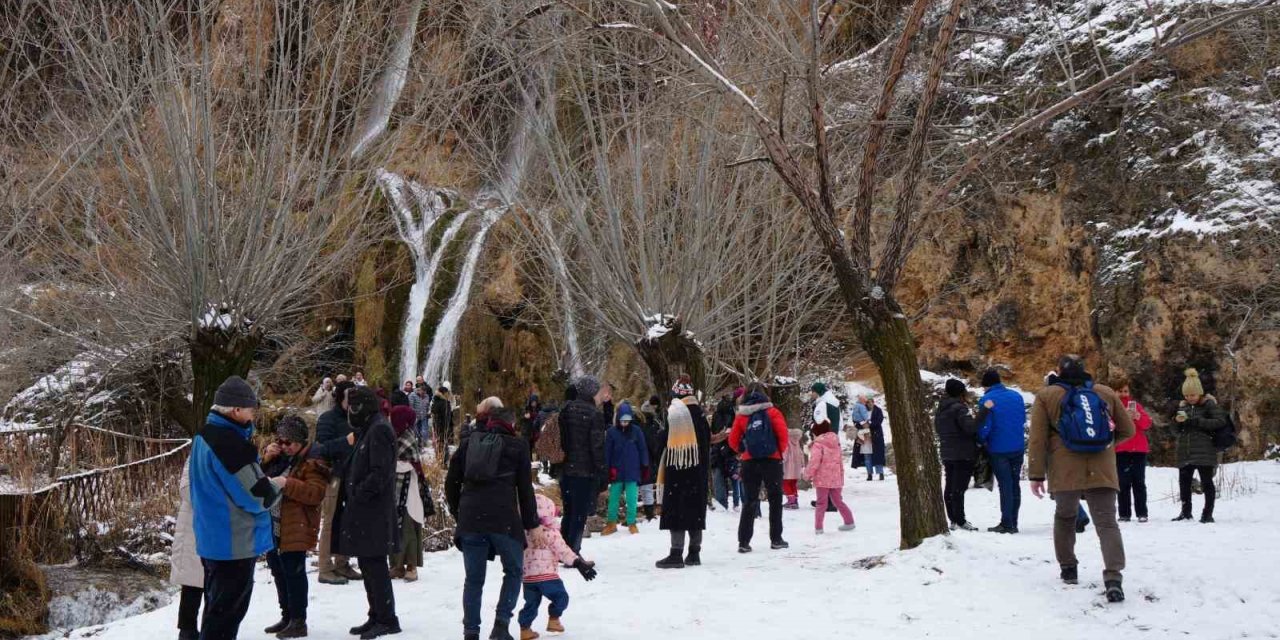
x=215, y=356
x=669, y=356
x=888, y=341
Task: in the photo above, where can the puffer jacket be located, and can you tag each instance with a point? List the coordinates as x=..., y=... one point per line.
x=825, y=469
x=1194, y=438
x=185, y=568
x=304, y=489
x=545, y=549
x=582, y=436
x=957, y=431
x=779, y=423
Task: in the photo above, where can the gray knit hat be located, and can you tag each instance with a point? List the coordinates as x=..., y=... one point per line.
x=587, y=387
x=293, y=429
x=235, y=393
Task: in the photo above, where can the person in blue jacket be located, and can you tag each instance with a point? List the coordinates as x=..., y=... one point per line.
x=1003, y=416
x=231, y=500
x=627, y=457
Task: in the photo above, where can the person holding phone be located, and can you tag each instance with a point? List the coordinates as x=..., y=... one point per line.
x=1198, y=417
x=1131, y=457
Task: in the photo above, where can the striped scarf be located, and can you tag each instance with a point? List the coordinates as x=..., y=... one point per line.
x=682, y=440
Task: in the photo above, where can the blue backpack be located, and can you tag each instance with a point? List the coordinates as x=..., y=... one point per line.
x=1084, y=426
x=760, y=439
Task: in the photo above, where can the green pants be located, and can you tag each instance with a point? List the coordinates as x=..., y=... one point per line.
x=615, y=490
x=411, y=555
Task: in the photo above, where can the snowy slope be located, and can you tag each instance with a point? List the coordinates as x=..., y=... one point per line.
x=1202, y=581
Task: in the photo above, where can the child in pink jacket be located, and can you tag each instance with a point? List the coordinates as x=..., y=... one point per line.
x=542, y=558
x=826, y=471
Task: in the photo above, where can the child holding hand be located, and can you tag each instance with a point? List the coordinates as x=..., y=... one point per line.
x=542, y=558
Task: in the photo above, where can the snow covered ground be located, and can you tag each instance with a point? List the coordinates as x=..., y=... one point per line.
x=1202, y=581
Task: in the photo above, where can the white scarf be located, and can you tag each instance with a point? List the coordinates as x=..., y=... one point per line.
x=820, y=407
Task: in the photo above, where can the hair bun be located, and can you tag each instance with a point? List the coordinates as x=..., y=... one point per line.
x=1192, y=373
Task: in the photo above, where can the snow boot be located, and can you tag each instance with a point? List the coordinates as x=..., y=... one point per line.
x=744, y=548
x=411, y=574
x=648, y=513
x=868, y=477
x=849, y=527
x=792, y=503
x=528, y=634
x=1070, y=575
x=1002, y=529
x=500, y=631
x=357, y=631
x=397, y=573
x=1185, y=515
x=1207, y=518
x=332, y=578
x=673, y=561
x=779, y=544
x=554, y=626
x=610, y=529
x=882, y=477
x=277, y=627
x=634, y=530
x=295, y=629
x=1115, y=593
x=694, y=559
x=378, y=630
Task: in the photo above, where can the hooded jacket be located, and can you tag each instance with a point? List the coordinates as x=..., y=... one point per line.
x=754, y=403
x=231, y=498
x=825, y=469
x=957, y=431
x=545, y=549
x=625, y=448
x=1194, y=438
x=364, y=522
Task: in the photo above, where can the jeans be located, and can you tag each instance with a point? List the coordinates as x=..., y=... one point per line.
x=722, y=484
x=616, y=491
x=1132, y=468
x=578, y=495
x=377, y=589
x=189, y=608
x=1102, y=504
x=754, y=473
x=289, y=568
x=1007, y=468
x=534, y=592
x=1206, y=484
x=475, y=558
x=866, y=461
x=423, y=427
x=958, y=473
x=228, y=587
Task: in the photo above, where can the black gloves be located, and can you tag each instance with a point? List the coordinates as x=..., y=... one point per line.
x=587, y=569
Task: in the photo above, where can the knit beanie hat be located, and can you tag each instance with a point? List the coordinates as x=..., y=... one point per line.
x=364, y=407
x=340, y=391
x=819, y=388
x=990, y=378
x=739, y=392
x=955, y=388
x=402, y=418
x=293, y=429
x=235, y=393
x=587, y=387
x=1192, y=385
x=683, y=387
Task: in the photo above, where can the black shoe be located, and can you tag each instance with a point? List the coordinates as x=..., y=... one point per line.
x=188, y=634
x=882, y=477
x=868, y=477
x=500, y=631
x=470, y=635
x=744, y=548
x=277, y=627
x=383, y=629
x=813, y=503
x=295, y=629
x=779, y=544
x=694, y=559
x=357, y=631
x=1002, y=529
x=1207, y=518
x=1115, y=593
x=1183, y=516
x=1070, y=575
x=673, y=561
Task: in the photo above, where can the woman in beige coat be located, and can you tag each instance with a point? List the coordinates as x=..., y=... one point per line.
x=185, y=569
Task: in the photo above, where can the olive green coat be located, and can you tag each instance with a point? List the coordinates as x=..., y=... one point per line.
x=1194, y=438
x=1067, y=470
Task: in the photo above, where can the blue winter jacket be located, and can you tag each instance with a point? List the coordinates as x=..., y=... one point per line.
x=1004, y=430
x=230, y=496
x=625, y=450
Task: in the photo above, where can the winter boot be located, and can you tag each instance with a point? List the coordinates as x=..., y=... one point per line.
x=848, y=527
x=470, y=635
x=868, y=476
x=744, y=548
x=1185, y=515
x=397, y=573
x=332, y=577
x=358, y=631
x=411, y=574
x=792, y=503
x=188, y=634
x=528, y=634
x=380, y=629
x=779, y=544
x=295, y=629
x=554, y=626
x=882, y=476
x=1115, y=593
x=1206, y=518
x=1070, y=575
x=694, y=559
x=279, y=626
x=348, y=572
x=673, y=561
x=610, y=529
x=500, y=631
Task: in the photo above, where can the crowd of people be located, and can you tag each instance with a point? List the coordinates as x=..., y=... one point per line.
x=357, y=488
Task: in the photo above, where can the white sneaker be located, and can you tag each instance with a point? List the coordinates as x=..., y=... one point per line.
x=817, y=532
x=848, y=527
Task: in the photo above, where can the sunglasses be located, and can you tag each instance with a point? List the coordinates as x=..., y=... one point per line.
x=282, y=442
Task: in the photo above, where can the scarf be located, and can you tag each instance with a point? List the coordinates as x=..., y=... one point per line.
x=682, y=440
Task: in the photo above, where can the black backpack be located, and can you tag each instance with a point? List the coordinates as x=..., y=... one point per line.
x=1225, y=438
x=484, y=457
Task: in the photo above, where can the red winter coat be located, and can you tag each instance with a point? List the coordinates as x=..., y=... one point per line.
x=740, y=429
x=1138, y=443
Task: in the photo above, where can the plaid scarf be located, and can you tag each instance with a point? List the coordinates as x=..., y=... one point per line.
x=409, y=447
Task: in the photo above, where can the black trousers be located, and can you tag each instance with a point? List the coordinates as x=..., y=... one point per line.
x=228, y=586
x=189, y=608
x=958, y=473
x=1132, y=468
x=1206, y=484
x=289, y=568
x=755, y=473
x=377, y=589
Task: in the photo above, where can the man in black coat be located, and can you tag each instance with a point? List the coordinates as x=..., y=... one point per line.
x=583, y=474
x=332, y=429
x=442, y=418
x=494, y=506
x=958, y=439
x=365, y=521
